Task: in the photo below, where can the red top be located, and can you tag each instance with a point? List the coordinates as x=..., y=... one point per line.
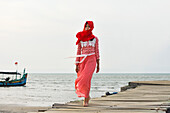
x=88, y=47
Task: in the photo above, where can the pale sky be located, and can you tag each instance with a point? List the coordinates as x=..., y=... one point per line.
x=134, y=35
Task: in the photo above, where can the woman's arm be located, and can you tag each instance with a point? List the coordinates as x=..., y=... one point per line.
x=78, y=53
x=98, y=68
x=78, y=58
x=97, y=55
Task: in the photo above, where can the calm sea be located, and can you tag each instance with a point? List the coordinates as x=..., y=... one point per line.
x=44, y=89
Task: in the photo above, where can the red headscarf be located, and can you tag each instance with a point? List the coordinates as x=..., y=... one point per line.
x=85, y=35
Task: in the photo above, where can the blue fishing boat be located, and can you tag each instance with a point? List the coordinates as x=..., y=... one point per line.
x=7, y=82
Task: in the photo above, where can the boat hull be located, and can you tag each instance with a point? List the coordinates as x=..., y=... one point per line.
x=18, y=82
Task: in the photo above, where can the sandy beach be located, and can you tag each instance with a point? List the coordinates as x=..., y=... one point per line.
x=20, y=109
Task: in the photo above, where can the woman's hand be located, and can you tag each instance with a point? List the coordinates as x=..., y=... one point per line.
x=98, y=68
x=77, y=68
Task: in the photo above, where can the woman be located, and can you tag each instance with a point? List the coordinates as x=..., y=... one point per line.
x=87, y=58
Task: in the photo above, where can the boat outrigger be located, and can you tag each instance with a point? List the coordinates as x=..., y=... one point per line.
x=6, y=82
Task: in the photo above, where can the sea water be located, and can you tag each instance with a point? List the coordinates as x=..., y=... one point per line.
x=44, y=89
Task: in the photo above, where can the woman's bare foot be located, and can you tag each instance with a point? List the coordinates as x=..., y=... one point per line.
x=88, y=99
x=85, y=105
x=85, y=102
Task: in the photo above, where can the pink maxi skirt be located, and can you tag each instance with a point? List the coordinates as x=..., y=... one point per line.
x=84, y=76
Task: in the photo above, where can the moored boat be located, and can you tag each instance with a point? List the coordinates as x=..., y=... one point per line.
x=7, y=82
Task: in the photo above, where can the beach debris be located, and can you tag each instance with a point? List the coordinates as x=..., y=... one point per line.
x=108, y=93
x=42, y=110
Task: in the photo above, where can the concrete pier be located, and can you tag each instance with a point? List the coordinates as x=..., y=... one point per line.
x=137, y=97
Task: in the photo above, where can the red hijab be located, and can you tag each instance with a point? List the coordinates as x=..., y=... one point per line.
x=85, y=35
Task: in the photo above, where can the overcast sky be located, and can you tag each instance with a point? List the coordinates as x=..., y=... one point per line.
x=134, y=35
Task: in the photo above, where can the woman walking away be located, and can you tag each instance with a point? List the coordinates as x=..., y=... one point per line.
x=86, y=60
